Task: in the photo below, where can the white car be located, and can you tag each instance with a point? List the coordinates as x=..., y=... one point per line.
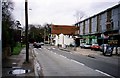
x=82, y=45
x=41, y=43
x=87, y=45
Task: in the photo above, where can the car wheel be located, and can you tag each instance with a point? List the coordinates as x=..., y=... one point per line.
x=110, y=54
x=103, y=53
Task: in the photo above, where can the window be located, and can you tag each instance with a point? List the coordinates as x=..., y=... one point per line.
x=103, y=22
x=119, y=9
x=81, y=28
x=115, y=18
x=94, y=24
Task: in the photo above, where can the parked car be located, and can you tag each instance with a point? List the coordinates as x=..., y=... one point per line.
x=95, y=47
x=109, y=50
x=41, y=43
x=106, y=49
x=82, y=45
x=37, y=45
x=87, y=45
x=103, y=47
x=116, y=50
x=34, y=43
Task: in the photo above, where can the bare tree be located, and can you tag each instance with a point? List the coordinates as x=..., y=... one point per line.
x=79, y=15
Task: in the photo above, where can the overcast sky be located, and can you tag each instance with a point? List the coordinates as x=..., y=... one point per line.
x=60, y=12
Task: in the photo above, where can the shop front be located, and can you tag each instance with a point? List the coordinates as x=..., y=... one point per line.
x=102, y=39
x=113, y=37
x=90, y=39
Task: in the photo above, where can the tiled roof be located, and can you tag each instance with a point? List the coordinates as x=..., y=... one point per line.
x=64, y=29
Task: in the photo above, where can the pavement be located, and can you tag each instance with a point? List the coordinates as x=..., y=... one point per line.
x=92, y=54
x=86, y=52
x=15, y=65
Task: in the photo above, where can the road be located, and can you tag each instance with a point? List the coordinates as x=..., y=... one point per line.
x=102, y=64
x=55, y=64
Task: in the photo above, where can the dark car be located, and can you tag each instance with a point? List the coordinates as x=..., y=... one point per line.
x=106, y=49
x=103, y=47
x=37, y=45
x=109, y=50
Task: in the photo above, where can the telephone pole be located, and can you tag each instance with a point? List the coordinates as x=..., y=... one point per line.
x=26, y=31
x=0, y=37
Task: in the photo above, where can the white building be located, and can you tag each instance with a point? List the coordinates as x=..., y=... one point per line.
x=62, y=35
x=63, y=40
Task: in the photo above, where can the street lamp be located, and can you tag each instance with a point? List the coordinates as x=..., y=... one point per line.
x=0, y=37
x=26, y=31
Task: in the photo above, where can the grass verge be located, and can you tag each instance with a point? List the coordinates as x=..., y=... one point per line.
x=17, y=49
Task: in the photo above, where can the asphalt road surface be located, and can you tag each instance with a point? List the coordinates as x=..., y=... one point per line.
x=106, y=65
x=55, y=64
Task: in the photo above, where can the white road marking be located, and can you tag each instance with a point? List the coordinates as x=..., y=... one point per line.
x=69, y=59
x=71, y=53
x=44, y=48
x=62, y=56
x=78, y=62
x=53, y=48
x=49, y=48
x=35, y=51
x=104, y=73
x=54, y=53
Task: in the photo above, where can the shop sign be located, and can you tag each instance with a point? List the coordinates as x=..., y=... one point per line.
x=113, y=41
x=93, y=37
x=104, y=36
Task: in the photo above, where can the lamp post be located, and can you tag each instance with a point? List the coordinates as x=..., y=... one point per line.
x=26, y=31
x=0, y=37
